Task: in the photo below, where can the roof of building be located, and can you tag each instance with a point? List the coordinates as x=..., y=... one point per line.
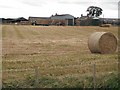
x=15, y=19
x=21, y=19
x=63, y=15
x=39, y=17
x=83, y=17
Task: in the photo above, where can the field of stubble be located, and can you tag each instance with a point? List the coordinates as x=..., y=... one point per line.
x=61, y=54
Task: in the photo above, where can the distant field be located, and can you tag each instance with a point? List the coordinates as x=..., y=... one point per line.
x=58, y=51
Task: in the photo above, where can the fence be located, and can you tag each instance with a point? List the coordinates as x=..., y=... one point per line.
x=37, y=70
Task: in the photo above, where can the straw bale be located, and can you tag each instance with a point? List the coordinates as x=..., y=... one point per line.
x=102, y=42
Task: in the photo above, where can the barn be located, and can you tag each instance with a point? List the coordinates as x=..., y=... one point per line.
x=45, y=21
x=69, y=19
x=14, y=20
x=112, y=21
x=89, y=21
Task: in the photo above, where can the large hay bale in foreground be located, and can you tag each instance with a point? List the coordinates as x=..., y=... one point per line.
x=102, y=42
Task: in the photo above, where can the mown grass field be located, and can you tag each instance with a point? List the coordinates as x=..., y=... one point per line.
x=60, y=52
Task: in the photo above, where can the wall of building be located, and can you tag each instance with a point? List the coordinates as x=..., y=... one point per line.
x=68, y=18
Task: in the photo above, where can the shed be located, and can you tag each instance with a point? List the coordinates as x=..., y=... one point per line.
x=67, y=17
x=89, y=21
x=39, y=21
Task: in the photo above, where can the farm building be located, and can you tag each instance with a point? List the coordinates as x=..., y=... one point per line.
x=88, y=21
x=77, y=21
x=69, y=19
x=7, y=21
x=61, y=20
x=19, y=19
x=112, y=21
x=45, y=21
x=14, y=20
x=57, y=22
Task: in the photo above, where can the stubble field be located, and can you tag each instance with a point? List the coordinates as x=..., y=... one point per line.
x=60, y=53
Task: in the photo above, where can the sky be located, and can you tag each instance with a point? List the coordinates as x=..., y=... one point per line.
x=46, y=8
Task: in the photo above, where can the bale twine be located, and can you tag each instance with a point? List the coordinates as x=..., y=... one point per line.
x=102, y=42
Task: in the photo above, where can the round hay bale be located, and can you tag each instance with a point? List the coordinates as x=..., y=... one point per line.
x=102, y=42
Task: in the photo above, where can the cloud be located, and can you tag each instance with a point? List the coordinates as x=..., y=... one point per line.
x=85, y=1
x=34, y=2
x=48, y=7
x=4, y=6
x=77, y=3
x=10, y=4
x=111, y=5
x=38, y=2
x=73, y=2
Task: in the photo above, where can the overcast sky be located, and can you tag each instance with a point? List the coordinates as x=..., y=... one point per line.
x=45, y=8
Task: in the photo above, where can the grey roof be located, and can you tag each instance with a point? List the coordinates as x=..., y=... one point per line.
x=62, y=16
x=40, y=17
x=83, y=17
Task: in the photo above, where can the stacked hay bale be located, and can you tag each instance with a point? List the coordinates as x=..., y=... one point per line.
x=105, y=25
x=102, y=42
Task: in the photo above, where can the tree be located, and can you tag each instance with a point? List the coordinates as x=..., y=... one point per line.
x=94, y=11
